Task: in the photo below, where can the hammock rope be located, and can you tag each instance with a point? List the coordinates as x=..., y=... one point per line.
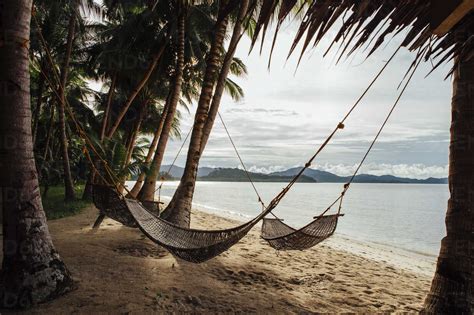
x=340, y=125
x=260, y=200
x=283, y=237
x=171, y=166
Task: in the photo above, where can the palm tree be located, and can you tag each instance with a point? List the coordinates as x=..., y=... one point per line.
x=148, y=190
x=199, y=22
x=68, y=183
x=26, y=238
x=39, y=101
x=452, y=289
x=149, y=157
x=179, y=209
x=154, y=29
x=61, y=20
x=153, y=64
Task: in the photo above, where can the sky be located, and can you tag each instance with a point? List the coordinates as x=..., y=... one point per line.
x=287, y=112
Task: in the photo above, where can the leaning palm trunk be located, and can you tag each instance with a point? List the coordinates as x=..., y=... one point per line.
x=216, y=99
x=452, y=289
x=133, y=138
x=68, y=185
x=32, y=271
x=49, y=135
x=136, y=91
x=147, y=193
x=110, y=96
x=87, y=195
x=38, y=108
x=149, y=157
x=179, y=209
x=135, y=132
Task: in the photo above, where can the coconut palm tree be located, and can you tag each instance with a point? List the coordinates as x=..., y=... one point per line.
x=68, y=183
x=179, y=209
x=150, y=40
x=56, y=16
x=199, y=23
x=452, y=287
x=151, y=150
x=32, y=270
x=148, y=190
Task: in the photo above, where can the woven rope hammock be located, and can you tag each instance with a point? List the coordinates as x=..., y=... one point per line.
x=111, y=204
x=283, y=237
x=192, y=245
x=188, y=244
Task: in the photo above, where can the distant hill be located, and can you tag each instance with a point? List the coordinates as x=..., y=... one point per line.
x=309, y=176
x=177, y=171
x=238, y=175
x=319, y=176
x=326, y=177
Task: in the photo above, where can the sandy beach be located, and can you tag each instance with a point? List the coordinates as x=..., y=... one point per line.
x=119, y=271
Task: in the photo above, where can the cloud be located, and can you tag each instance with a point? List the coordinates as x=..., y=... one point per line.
x=273, y=112
x=285, y=116
x=266, y=170
x=419, y=171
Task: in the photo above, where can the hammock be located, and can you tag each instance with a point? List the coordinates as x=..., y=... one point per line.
x=188, y=244
x=111, y=204
x=283, y=237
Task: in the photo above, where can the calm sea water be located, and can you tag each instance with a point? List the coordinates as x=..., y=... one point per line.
x=408, y=217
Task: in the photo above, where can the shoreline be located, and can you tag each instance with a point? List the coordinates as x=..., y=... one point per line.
x=420, y=263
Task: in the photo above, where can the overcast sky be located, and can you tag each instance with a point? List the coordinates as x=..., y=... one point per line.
x=285, y=114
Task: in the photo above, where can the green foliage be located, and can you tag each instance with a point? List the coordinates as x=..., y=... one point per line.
x=55, y=206
x=115, y=41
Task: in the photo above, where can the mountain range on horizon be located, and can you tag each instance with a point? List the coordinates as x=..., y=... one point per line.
x=309, y=176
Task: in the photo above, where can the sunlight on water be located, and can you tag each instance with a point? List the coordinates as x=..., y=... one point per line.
x=405, y=216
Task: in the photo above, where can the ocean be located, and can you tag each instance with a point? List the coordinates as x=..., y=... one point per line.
x=407, y=217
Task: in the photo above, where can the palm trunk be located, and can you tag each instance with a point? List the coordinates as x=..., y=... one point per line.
x=110, y=97
x=452, y=289
x=38, y=108
x=216, y=99
x=138, y=185
x=179, y=209
x=130, y=145
x=137, y=90
x=49, y=135
x=32, y=271
x=87, y=195
x=147, y=193
x=135, y=132
x=68, y=184
x=132, y=139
